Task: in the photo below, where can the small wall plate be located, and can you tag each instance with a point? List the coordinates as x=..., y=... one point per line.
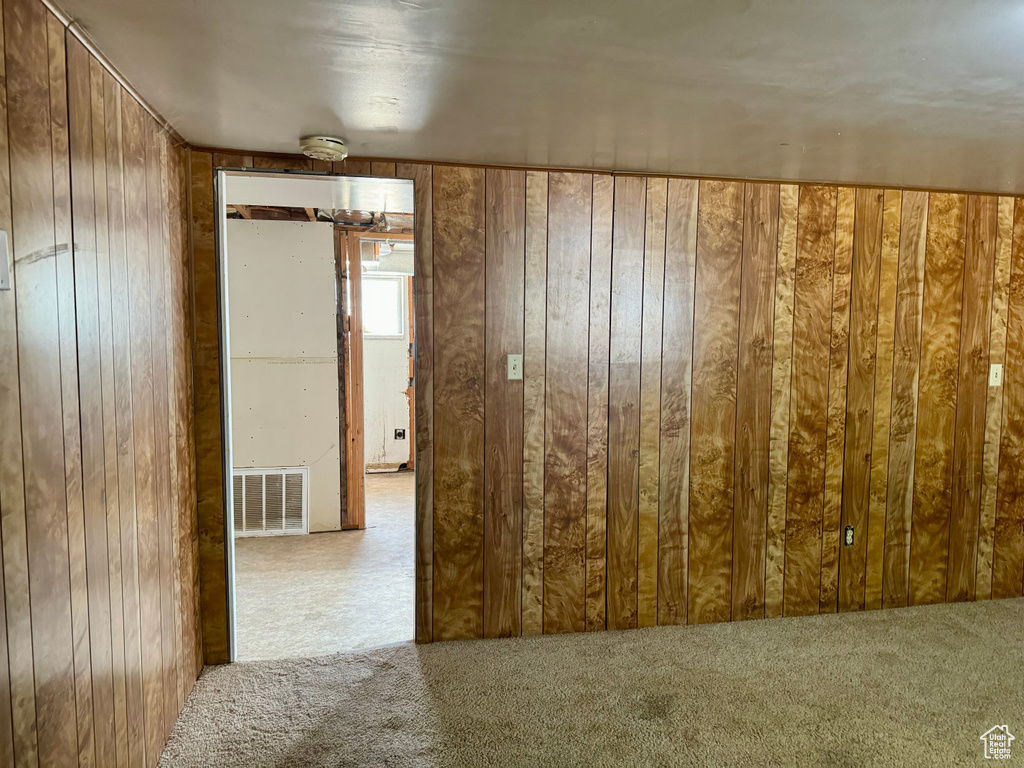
x=515, y=367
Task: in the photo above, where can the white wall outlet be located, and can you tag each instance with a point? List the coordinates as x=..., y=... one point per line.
x=5, y=272
x=995, y=375
x=515, y=367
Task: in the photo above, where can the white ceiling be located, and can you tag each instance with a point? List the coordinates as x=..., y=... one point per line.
x=902, y=92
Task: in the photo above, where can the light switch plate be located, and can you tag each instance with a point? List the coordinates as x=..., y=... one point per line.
x=995, y=375
x=5, y=272
x=515, y=367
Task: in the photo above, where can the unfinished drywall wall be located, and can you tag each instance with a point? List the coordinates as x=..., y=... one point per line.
x=284, y=355
x=386, y=403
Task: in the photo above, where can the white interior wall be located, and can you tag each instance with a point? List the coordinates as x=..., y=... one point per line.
x=284, y=355
x=385, y=404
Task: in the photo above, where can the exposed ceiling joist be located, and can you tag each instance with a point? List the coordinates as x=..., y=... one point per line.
x=395, y=225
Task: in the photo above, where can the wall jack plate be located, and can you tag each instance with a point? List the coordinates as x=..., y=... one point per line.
x=995, y=375
x=5, y=271
x=848, y=536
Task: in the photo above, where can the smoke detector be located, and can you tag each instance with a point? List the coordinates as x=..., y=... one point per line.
x=323, y=148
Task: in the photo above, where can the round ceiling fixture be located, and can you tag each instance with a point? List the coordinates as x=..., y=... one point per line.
x=323, y=148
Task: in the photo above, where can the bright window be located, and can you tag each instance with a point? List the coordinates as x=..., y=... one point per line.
x=383, y=308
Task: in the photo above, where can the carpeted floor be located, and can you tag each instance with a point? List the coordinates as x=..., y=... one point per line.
x=904, y=687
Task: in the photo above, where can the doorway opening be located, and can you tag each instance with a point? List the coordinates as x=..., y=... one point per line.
x=317, y=319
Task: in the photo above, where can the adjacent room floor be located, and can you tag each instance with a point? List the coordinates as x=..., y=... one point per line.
x=911, y=686
x=331, y=592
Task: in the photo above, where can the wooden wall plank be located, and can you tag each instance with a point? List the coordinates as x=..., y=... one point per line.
x=505, y=261
x=713, y=423
x=972, y=395
x=423, y=285
x=180, y=353
x=352, y=167
x=565, y=402
x=110, y=457
x=624, y=399
x=534, y=366
x=90, y=388
x=232, y=160
x=185, y=185
x=208, y=437
x=754, y=398
x=905, y=382
x=126, y=443
x=191, y=512
x=940, y=363
x=140, y=296
x=860, y=392
x=158, y=258
x=597, y=398
x=124, y=418
x=676, y=374
x=173, y=324
x=650, y=402
x=189, y=523
x=39, y=358
x=835, y=432
x=994, y=402
x=282, y=163
x=887, y=282
x=1008, y=550
x=382, y=169
x=13, y=522
x=782, y=374
x=816, y=247
x=458, y=401
x=16, y=724
x=70, y=402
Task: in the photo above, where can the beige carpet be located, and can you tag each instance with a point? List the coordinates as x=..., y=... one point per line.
x=901, y=687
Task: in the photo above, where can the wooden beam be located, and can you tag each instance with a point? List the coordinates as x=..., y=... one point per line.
x=374, y=235
x=355, y=509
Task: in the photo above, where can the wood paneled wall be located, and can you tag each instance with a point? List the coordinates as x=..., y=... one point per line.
x=720, y=377
x=99, y=630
